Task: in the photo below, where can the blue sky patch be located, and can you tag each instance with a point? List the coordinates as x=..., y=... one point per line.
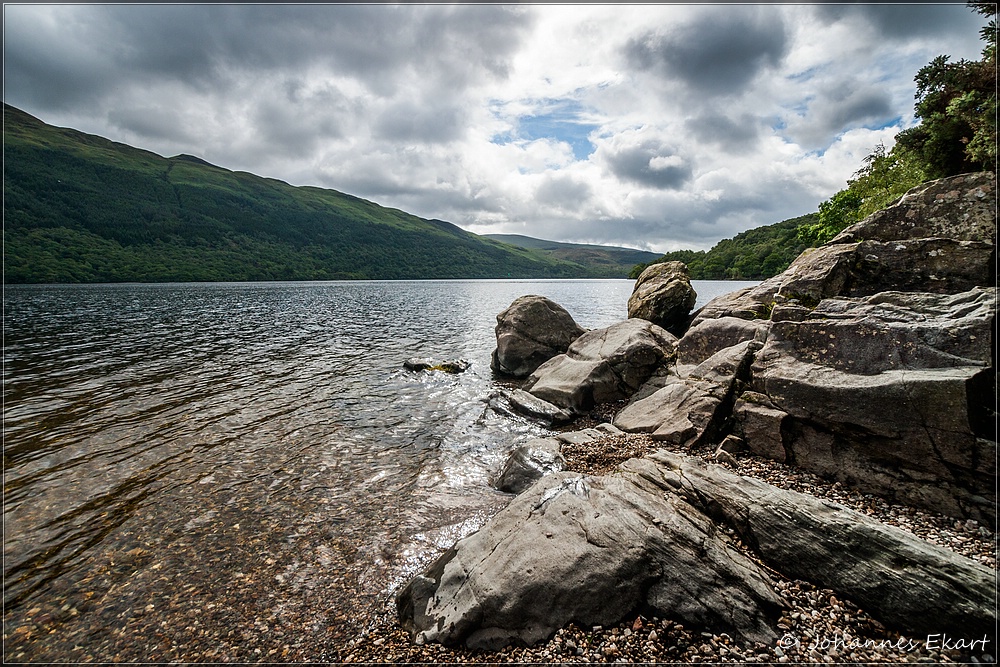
x=558, y=120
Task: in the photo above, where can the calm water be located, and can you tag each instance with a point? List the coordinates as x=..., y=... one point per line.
x=182, y=458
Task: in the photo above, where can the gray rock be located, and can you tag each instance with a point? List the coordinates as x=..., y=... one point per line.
x=891, y=573
x=532, y=330
x=663, y=295
x=527, y=463
x=818, y=273
x=604, y=365
x=893, y=394
x=942, y=266
x=532, y=406
x=583, y=437
x=940, y=237
x=710, y=336
x=694, y=409
x=960, y=208
x=588, y=550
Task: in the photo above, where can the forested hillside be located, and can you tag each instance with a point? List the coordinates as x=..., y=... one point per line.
x=80, y=208
x=755, y=254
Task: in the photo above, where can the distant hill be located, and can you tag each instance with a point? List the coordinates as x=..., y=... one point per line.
x=755, y=254
x=617, y=262
x=81, y=208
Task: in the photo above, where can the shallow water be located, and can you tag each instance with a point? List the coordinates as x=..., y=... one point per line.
x=183, y=462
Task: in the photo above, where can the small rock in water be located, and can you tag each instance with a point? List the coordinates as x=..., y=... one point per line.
x=429, y=364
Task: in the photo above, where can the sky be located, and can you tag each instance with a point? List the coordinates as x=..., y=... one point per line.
x=654, y=126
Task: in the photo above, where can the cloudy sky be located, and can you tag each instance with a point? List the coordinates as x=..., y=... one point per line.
x=651, y=126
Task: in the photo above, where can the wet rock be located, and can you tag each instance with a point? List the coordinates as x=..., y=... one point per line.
x=588, y=550
x=428, y=364
x=530, y=331
x=889, y=571
x=532, y=406
x=663, y=295
x=604, y=365
x=527, y=463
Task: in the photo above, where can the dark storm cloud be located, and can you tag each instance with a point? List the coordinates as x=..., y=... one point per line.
x=410, y=120
x=736, y=135
x=714, y=53
x=650, y=163
x=906, y=21
x=563, y=192
x=842, y=105
x=88, y=51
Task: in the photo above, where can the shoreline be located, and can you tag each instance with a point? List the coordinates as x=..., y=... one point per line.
x=817, y=627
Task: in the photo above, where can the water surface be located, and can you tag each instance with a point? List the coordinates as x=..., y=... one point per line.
x=183, y=460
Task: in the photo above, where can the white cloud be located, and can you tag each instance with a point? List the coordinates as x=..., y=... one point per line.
x=662, y=126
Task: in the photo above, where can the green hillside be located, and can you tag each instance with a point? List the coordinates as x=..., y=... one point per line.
x=755, y=254
x=80, y=208
x=615, y=261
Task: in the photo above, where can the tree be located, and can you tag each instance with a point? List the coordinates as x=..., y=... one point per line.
x=957, y=105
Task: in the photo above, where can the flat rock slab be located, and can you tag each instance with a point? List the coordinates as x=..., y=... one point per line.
x=904, y=581
x=588, y=550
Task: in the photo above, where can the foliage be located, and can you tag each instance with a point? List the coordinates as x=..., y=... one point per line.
x=751, y=255
x=957, y=105
x=884, y=178
x=79, y=208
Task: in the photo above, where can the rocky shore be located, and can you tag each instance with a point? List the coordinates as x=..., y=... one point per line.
x=818, y=626
x=803, y=471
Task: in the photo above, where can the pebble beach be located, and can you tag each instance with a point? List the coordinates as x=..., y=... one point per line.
x=818, y=627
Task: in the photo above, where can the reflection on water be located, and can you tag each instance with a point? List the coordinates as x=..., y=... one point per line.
x=173, y=452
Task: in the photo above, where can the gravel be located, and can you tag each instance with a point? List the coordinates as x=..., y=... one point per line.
x=242, y=587
x=819, y=626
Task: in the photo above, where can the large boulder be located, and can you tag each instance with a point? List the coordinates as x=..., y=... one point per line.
x=894, y=393
x=530, y=331
x=961, y=208
x=651, y=538
x=879, y=367
x=905, y=582
x=588, y=550
x=603, y=365
x=664, y=296
x=939, y=237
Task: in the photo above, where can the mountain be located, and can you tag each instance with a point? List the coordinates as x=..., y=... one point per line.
x=615, y=261
x=81, y=208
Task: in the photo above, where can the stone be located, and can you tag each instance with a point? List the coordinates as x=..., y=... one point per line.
x=710, y=336
x=939, y=237
x=664, y=296
x=891, y=573
x=583, y=437
x=818, y=273
x=588, y=550
x=732, y=444
x=527, y=463
x=693, y=409
x=942, y=266
x=960, y=208
x=530, y=331
x=603, y=365
x=452, y=366
x=893, y=393
x=532, y=406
